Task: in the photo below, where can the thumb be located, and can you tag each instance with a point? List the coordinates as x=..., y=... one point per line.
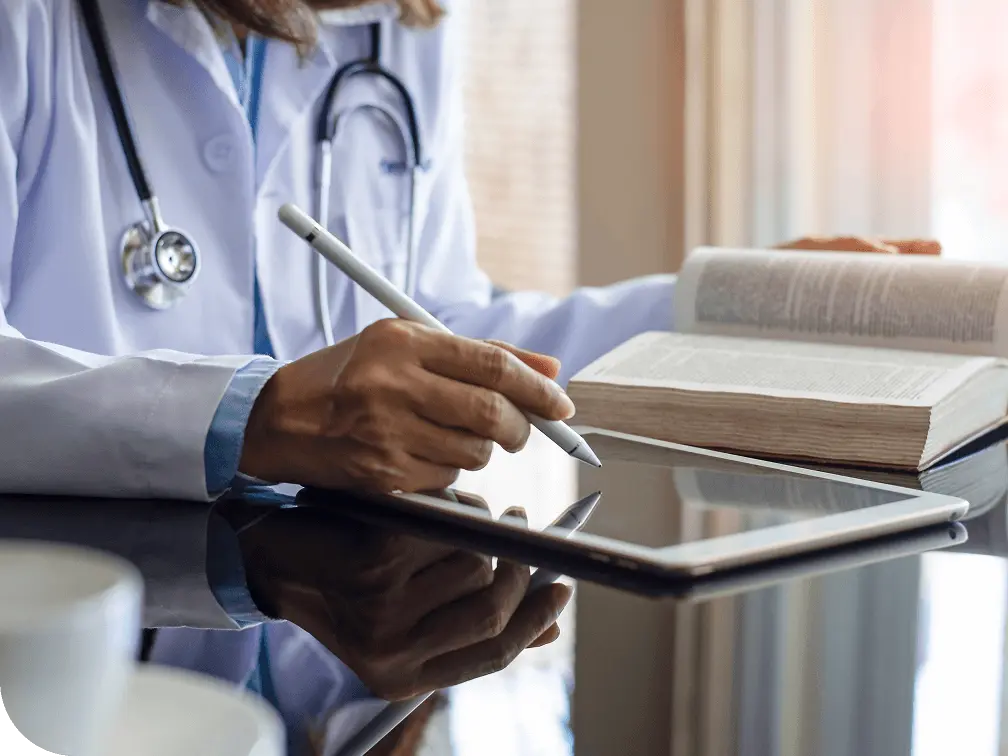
x=541, y=363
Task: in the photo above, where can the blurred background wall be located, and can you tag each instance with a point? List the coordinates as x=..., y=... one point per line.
x=608, y=138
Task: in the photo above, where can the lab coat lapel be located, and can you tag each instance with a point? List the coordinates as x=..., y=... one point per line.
x=293, y=82
x=190, y=29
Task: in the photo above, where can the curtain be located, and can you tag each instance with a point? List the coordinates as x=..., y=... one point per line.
x=806, y=117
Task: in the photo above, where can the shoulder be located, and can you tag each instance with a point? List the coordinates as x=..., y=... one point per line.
x=26, y=24
x=38, y=40
x=25, y=35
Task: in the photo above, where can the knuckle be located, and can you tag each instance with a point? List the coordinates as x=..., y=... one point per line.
x=500, y=659
x=495, y=364
x=490, y=411
x=390, y=331
x=391, y=689
x=479, y=454
x=544, y=393
x=372, y=472
x=366, y=381
x=396, y=552
x=523, y=437
x=451, y=478
x=507, y=654
x=478, y=570
x=377, y=431
x=492, y=624
x=483, y=576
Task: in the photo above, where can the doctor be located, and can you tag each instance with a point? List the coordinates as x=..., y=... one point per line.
x=104, y=390
x=137, y=361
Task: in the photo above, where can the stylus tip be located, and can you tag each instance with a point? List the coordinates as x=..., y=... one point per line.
x=584, y=453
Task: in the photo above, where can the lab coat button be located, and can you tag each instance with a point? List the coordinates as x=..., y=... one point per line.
x=219, y=153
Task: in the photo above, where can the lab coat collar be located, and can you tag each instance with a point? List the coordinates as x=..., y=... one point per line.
x=369, y=13
x=293, y=81
x=190, y=29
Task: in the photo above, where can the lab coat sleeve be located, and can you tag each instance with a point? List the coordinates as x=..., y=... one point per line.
x=166, y=541
x=72, y=422
x=578, y=328
x=222, y=451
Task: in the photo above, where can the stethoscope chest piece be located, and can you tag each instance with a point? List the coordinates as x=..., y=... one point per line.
x=159, y=264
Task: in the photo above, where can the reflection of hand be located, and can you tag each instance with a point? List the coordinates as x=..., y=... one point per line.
x=861, y=244
x=408, y=616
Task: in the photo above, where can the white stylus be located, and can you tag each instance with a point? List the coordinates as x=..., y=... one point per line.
x=375, y=284
x=570, y=522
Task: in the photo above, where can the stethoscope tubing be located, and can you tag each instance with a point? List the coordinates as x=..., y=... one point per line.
x=326, y=129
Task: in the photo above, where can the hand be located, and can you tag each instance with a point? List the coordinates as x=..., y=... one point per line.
x=861, y=244
x=407, y=615
x=397, y=407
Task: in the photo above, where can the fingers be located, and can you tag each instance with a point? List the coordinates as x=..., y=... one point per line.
x=445, y=582
x=472, y=500
x=477, y=410
x=551, y=634
x=863, y=244
x=377, y=556
x=406, y=473
x=541, y=363
x=480, y=363
x=531, y=621
x=447, y=446
x=478, y=617
x=839, y=244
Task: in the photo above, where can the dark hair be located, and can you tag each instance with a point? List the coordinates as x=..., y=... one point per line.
x=294, y=20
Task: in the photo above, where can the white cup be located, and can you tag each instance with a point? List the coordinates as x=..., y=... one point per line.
x=69, y=632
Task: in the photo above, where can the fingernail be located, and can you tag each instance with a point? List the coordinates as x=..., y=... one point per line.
x=568, y=593
x=516, y=512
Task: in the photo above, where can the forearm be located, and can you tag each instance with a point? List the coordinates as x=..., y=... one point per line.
x=578, y=328
x=84, y=424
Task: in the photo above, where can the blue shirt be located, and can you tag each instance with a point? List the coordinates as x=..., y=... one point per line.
x=222, y=451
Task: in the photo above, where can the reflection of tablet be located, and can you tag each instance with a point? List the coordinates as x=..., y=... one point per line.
x=765, y=511
x=804, y=567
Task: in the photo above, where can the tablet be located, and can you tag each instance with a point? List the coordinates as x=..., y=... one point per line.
x=647, y=533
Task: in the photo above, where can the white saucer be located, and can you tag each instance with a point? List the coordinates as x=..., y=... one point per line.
x=173, y=713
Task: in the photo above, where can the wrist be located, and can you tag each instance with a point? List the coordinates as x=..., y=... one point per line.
x=228, y=575
x=259, y=450
x=246, y=523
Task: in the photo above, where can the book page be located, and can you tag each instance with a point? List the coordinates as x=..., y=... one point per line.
x=897, y=301
x=777, y=368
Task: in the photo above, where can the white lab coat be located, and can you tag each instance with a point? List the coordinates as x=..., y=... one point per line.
x=100, y=395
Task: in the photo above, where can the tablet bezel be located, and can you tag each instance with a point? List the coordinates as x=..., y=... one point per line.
x=650, y=570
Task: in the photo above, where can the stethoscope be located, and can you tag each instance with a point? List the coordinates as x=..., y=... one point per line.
x=326, y=131
x=161, y=262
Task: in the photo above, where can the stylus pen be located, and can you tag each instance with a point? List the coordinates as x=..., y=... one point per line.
x=571, y=521
x=379, y=287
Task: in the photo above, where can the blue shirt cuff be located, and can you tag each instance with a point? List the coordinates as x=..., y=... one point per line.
x=225, y=571
x=223, y=447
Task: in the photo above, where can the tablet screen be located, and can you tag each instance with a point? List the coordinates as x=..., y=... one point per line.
x=658, y=496
x=667, y=507
x=704, y=496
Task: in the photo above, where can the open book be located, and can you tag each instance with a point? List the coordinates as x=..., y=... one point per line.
x=868, y=359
